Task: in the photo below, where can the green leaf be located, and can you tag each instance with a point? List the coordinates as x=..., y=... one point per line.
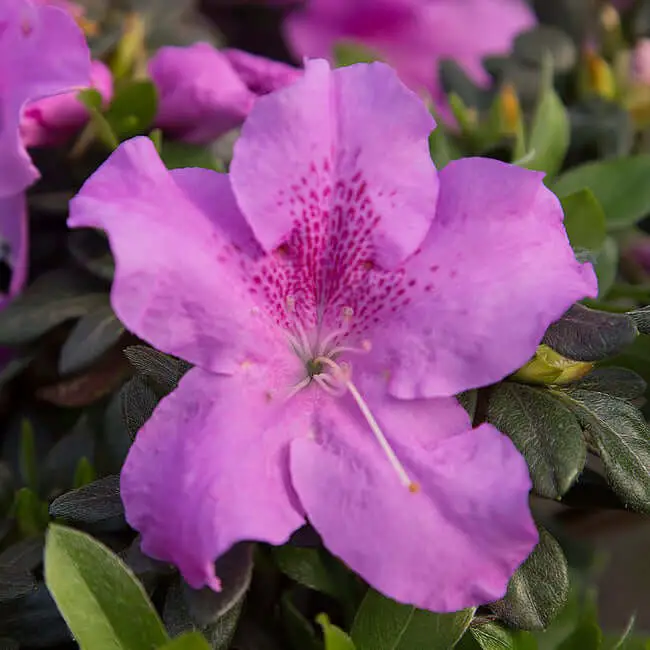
x=84, y=474
x=133, y=109
x=621, y=437
x=97, y=502
x=383, y=624
x=584, y=334
x=584, y=220
x=550, y=132
x=335, y=638
x=587, y=636
x=306, y=567
x=348, y=53
x=30, y=512
x=28, y=464
x=99, y=597
x=619, y=382
x=641, y=318
x=54, y=298
x=92, y=99
x=177, y=154
x=538, y=590
x=163, y=370
x=443, y=149
x=15, y=583
x=298, y=630
x=544, y=430
x=620, y=185
x=188, y=641
x=91, y=337
x=492, y=636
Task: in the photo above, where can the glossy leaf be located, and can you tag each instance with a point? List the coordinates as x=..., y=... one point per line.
x=383, y=624
x=100, y=599
x=620, y=185
x=133, y=109
x=584, y=220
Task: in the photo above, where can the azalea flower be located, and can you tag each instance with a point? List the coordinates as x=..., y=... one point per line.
x=334, y=292
x=412, y=35
x=42, y=53
x=52, y=120
x=205, y=92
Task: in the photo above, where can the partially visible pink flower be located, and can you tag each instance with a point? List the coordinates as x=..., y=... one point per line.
x=205, y=92
x=334, y=293
x=42, y=53
x=641, y=62
x=51, y=121
x=412, y=35
x=73, y=8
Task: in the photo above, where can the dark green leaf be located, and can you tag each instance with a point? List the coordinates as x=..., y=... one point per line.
x=538, y=590
x=619, y=185
x=383, y=624
x=15, y=583
x=335, y=638
x=6, y=487
x=139, y=399
x=177, y=154
x=544, y=430
x=14, y=367
x=619, y=382
x=587, y=636
x=92, y=99
x=534, y=46
x=234, y=569
x=492, y=636
x=90, y=249
x=188, y=641
x=84, y=473
x=584, y=334
x=298, y=630
x=100, y=599
x=96, y=503
x=306, y=567
x=51, y=300
x=584, y=220
x=620, y=434
x=469, y=400
x=90, y=338
x=28, y=465
x=133, y=109
x=30, y=512
x=164, y=370
x=25, y=555
x=641, y=318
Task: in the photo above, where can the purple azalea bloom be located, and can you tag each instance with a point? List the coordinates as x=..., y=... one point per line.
x=53, y=120
x=412, y=35
x=42, y=53
x=334, y=293
x=205, y=92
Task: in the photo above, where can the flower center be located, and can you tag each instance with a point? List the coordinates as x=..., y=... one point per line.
x=322, y=367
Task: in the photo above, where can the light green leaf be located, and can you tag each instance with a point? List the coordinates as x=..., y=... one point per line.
x=97, y=594
x=620, y=185
x=550, y=131
x=383, y=624
x=584, y=220
x=348, y=53
x=188, y=641
x=335, y=638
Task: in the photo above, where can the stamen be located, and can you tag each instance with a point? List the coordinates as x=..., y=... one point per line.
x=346, y=314
x=303, y=383
x=366, y=346
x=344, y=376
x=304, y=348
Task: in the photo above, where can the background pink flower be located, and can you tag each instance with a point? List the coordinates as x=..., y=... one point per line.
x=411, y=35
x=205, y=92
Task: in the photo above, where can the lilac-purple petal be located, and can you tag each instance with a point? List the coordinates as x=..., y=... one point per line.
x=496, y=269
x=261, y=75
x=14, y=233
x=350, y=144
x=210, y=469
x=175, y=254
x=456, y=541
